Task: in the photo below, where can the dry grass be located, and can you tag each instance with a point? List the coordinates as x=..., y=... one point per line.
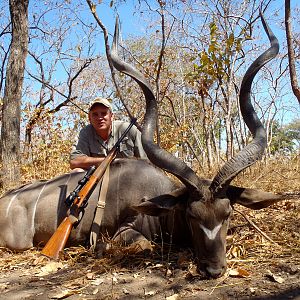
x=246, y=248
x=278, y=175
x=281, y=221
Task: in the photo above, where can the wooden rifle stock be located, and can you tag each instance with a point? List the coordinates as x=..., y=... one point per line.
x=60, y=237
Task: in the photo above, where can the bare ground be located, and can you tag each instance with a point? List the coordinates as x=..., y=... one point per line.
x=258, y=267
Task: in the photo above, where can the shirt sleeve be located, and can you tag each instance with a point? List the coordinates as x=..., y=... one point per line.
x=82, y=147
x=138, y=147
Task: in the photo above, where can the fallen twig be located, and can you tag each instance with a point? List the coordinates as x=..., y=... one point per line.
x=256, y=227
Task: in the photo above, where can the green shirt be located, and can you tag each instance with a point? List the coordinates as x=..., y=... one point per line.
x=91, y=144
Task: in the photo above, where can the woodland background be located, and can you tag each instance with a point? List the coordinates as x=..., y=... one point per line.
x=54, y=61
x=53, y=58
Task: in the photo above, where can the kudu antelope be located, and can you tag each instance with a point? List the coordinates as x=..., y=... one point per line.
x=142, y=202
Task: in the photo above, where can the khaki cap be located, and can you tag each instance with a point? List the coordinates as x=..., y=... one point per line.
x=102, y=101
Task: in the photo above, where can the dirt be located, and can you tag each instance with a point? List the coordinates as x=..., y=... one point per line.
x=258, y=267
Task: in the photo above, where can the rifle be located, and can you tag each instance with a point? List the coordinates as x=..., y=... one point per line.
x=78, y=201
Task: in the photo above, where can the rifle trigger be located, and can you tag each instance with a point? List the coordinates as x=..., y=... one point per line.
x=84, y=204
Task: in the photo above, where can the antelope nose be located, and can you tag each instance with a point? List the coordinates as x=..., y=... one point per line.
x=215, y=273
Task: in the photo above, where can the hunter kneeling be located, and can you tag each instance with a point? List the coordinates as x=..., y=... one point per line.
x=97, y=139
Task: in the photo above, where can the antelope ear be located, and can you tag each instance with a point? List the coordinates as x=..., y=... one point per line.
x=255, y=199
x=161, y=205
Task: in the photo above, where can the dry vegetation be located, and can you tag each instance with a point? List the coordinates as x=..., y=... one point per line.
x=259, y=267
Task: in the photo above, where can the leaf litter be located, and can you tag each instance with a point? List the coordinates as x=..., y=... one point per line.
x=257, y=267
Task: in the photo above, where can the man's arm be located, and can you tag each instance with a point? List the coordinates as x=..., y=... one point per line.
x=138, y=147
x=80, y=156
x=85, y=162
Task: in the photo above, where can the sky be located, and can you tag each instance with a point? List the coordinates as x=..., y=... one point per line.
x=132, y=23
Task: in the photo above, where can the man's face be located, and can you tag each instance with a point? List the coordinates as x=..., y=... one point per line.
x=101, y=118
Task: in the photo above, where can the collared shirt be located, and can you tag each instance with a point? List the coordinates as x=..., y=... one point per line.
x=91, y=144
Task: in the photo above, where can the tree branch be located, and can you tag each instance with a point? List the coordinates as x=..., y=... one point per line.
x=92, y=7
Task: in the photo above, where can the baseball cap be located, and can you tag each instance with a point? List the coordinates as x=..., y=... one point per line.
x=102, y=101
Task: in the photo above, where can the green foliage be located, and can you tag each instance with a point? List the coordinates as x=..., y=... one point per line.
x=285, y=138
x=213, y=64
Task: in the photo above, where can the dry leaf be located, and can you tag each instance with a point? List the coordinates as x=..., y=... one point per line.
x=150, y=293
x=95, y=291
x=193, y=272
x=168, y=273
x=115, y=279
x=4, y=286
x=238, y=272
x=158, y=266
x=274, y=277
x=50, y=268
x=236, y=251
x=97, y=281
x=278, y=279
x=64, y=294
x=173, y=297
x=39, y=260
x=90, y=276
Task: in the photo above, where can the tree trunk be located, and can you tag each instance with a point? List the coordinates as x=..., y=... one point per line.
x=11, y=111
x=291, y=53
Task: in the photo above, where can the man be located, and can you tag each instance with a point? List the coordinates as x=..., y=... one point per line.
x=97, y=138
